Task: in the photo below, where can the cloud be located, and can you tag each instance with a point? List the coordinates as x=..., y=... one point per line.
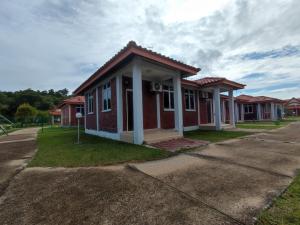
x=59, y=43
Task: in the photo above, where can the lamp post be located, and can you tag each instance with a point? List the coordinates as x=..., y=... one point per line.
x=78, y=116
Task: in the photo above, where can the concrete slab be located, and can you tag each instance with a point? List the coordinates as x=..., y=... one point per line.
x=279, y=158
x=97, y=196
x=238, y=191
x=15, y=150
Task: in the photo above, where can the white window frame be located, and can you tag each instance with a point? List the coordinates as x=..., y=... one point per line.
x=247, y=107
x=169, y=91
x=189, y=93
x=90, y=100
x=81, y=109
x=106, y=95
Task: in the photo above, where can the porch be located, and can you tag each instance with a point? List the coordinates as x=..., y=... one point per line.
x=152, y=136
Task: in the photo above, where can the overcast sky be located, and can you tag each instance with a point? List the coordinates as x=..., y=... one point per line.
x=59, y=43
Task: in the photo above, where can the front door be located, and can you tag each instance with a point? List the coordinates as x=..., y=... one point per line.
x=129, y=109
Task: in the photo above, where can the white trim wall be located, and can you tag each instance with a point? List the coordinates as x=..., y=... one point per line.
x=105, y=134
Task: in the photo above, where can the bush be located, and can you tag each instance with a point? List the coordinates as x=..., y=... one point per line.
x=25, y=113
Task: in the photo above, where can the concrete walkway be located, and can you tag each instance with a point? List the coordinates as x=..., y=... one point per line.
x=226, y=183
x=15, y=150
x=238, y=177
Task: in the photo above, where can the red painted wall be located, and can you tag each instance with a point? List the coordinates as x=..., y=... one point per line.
x=91, y=118
x=190, y=118
x=65, y=113
x=108, y=120
x=149, y=104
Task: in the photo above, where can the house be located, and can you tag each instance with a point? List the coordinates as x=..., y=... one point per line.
x=55, y=116
x=258, y=108
x=69, y=107
x=142, y=96
x=292, y=106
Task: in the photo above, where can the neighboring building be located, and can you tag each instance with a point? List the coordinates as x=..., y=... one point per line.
x=292, y=106
x=69, y=108
x=258, y=108
x=142, y=96
x=55, y=116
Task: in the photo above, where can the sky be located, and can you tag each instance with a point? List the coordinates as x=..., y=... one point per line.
x=56, y=44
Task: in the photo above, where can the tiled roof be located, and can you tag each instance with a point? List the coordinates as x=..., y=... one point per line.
x=209, y=80
x=55, y=112
x=130, y=49
x=73, y=101
x=257, y=99
x=212, y=81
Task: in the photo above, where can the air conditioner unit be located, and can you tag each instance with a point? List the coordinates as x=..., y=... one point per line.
x=156, y=86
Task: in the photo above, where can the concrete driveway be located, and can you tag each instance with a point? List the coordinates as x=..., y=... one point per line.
x=225, y=183
x=15, y=150
x=237, y=177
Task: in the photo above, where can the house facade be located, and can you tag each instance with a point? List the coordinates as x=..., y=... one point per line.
x=69, y=107
x=292, y=106
x=55, y=115
x=258, y=108
x=140, y=94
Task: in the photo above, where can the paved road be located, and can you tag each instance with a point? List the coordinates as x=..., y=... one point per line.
x=15, y=150
x=226, y=183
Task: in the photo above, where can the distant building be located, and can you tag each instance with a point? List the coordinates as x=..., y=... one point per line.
x=258, y=108
x=55, y=116
x=292, y=106
x=69, y=108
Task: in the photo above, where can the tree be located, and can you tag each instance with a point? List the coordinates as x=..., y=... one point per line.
x=25, y=113
x=42, y=117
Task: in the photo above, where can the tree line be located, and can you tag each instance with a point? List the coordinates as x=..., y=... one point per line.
x=39, y=101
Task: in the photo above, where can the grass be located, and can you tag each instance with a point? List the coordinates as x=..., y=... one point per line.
x=215, y=136
x=285, y=209
x=56, y=147
x=267, y=125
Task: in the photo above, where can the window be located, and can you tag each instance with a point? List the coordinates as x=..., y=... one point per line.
x=106, y=97
x=248, y=109
x=90, y=103
x=80, y=109
x=168, y=94
x=189, y=96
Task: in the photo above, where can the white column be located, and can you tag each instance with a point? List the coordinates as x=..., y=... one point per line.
x=198, y=105
x=85, y=111
x=272, y=111
x=138, y=126
x=223, y=111
x=217, y=108
x=97, y=108
x=258, y=111
x=231, y=108
x=158, y=109
x=242, y=113
x=178, y=104
x=69, y=108
x=119, y=95
x=236, y=112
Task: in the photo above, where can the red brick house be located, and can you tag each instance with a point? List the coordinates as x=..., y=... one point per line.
x=138, y=95
x=55, y=116
x=258, y=108
x=292, y=106
x=69, y=108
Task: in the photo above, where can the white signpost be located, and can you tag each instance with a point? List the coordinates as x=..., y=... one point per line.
x=78, y=116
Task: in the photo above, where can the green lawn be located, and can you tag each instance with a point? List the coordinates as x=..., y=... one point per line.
x=56, y=147
x=266, y=125
x=215, y=136
x=285, y=209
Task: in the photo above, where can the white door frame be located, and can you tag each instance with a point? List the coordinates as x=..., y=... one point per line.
x=127, y=90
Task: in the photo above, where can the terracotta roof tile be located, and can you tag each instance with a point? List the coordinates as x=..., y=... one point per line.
x=129, y=49
x=257, y=99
